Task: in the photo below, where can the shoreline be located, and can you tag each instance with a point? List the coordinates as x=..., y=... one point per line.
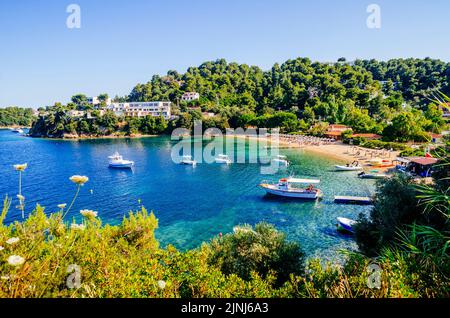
x=337, y=150
x=82, y=138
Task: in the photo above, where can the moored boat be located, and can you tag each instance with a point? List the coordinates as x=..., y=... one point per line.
x=187, y=160
x=223, y=159
x=284, y=188
x=116, y=161
x=18, y=131
x=346, y=225
x=281, y=160
x=349, y=167
x=364, y=175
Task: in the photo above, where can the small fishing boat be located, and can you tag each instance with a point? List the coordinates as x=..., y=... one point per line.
x=187, y=160
x=116, y=161
x=281, y=160
x=284, y=188
x=223, y=159
x=374, y=175
x=346, y=225
x=349, y=167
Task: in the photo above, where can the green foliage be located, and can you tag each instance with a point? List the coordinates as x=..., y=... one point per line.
x=395, y=205
x=407, y=126
x=262, y=250
x=125, y=260
x=346, y=135
x=413, y=77
x=80, y=100
x=399, y=203
x=379, y=144
x=295, y=95
x=319, y=129
x=11, y=116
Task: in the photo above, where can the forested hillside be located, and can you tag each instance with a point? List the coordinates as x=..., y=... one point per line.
x=11, y=116
x=390, y=98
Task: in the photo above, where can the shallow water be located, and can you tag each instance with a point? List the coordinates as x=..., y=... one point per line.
x=192, y=204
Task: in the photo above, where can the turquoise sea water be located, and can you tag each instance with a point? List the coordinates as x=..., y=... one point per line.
x=192, y=204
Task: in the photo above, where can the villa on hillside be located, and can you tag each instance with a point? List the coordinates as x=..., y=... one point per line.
x=335, y=131
x=142, y=109
x=190, y=96
x=94, y=101
x=76, y=113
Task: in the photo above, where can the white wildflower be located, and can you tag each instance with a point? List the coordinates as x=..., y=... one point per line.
x=75, y=226
x=16, y=260
x=21, y=167
x=161, y=284
x=62, y=206
x=80, y=180
x=88, y=213
x=12, y=240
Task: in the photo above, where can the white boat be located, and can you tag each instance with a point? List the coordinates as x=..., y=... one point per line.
x=18, y=131
x=117, y=161
x=364, y=175
x=349, y=167
x=223, y=159
x=284, y=188
x=187, y=160
x=281, y=160
x=346, y=224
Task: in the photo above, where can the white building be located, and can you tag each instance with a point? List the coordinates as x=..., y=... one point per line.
x=94, y=101
x=76, y=113
x=190, y=96
x=142, y=109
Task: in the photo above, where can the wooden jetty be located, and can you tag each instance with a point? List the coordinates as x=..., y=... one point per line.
x=353, y=200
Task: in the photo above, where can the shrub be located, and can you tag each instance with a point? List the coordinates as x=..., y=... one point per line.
x=395, y=204
x=263, y=250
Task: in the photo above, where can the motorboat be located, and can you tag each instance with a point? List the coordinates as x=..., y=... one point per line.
x=349, y=167
x=187, y=160
x=223, y=159
x=18, y=131
x=281, y=160
x=285, y=188
x=374, y=175
x=116, y=161
x=346, y=225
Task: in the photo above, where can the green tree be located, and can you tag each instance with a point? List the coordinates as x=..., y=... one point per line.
x=261, y=249
x=80, y=100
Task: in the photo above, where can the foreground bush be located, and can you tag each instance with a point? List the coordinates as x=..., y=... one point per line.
x=45, y=257
x=262, y=250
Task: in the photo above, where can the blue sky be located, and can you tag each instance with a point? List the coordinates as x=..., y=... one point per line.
x=122, y=43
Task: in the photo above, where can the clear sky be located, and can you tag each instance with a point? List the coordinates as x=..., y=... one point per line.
x=122, y=43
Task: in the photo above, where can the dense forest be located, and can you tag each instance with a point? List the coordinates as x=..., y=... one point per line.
x=390, y=98
x=15, y=116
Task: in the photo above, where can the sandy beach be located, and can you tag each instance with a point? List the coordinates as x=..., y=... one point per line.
x=349, y=154
x=337, y=150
